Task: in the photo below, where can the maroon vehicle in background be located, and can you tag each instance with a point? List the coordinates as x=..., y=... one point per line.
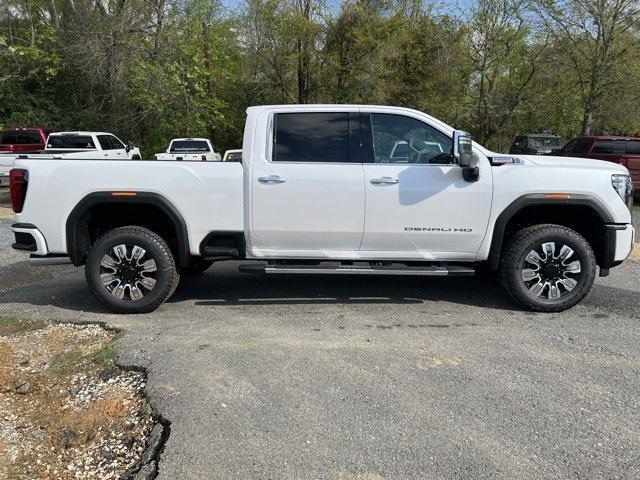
x=19, y=140
x=622, y=150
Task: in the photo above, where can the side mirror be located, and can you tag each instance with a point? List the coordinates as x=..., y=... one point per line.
x=463, y=153
x=129, y=146
x=462, y=148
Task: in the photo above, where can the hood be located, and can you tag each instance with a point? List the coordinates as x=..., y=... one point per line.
x=574, y=162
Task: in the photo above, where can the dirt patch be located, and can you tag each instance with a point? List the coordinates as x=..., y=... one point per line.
x=67, y=411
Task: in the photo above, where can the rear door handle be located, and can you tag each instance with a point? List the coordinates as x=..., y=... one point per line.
x=383, y=181
x=272, y=179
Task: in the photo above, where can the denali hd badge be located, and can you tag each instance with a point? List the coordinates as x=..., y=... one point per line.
x=437, y=229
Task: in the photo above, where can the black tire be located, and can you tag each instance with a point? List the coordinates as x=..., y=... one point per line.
x=197, y=267
x=513, y=264
x=164, y=273
x=136, y=157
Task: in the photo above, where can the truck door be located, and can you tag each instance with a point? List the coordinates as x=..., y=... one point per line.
x=418, y=205
x=307, y=192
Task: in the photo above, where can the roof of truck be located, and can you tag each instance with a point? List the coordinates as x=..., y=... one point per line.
x=79, y=133
x=448, y=129
x=191, y=138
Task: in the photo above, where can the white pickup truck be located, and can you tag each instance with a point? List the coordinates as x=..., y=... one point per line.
x=320, y=192
x=190, y=149
x=88, y=145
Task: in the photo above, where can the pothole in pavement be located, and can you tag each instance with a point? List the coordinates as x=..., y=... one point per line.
x=67, y=410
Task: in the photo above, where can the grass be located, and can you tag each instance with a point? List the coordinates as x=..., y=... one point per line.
x=14, y=326
x=105, y=356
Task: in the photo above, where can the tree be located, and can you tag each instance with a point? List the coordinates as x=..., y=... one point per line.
x=597, y=35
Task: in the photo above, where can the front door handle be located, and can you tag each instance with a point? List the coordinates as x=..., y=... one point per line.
x=383, y=181
x=272, y=179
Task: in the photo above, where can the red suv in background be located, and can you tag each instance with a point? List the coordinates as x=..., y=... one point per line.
x=622, y=150
x=17, y=140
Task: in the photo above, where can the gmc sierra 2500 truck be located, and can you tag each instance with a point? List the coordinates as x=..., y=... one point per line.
x=322, y=189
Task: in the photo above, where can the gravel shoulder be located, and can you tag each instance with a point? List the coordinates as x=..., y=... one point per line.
x=67, y=411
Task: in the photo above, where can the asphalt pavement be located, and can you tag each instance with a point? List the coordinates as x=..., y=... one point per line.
x=371, y=378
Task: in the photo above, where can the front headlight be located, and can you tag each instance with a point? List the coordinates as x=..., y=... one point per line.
x=623, y=186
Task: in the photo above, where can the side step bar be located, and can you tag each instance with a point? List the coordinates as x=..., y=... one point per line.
x=431, y=271
x=42, y=260
x=211, y=253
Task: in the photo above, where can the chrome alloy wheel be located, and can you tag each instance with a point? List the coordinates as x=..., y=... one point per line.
x=549, y=275
x=126, y=274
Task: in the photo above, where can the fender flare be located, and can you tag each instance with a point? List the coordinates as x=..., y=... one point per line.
x=76, y=244
x=538, y=199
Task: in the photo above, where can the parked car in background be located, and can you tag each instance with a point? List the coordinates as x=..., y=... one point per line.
x=190, y=149
x=89, y=145
x=17, y=140
x=232, y=156
x=536, y=144
x=622, y=150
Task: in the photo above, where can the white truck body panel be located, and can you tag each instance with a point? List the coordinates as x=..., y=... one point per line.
x=207, y=198
x=327, y=210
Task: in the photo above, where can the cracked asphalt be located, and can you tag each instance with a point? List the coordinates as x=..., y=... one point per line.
x=371, y=378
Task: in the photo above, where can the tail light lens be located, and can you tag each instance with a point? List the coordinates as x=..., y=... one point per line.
x=18, y=182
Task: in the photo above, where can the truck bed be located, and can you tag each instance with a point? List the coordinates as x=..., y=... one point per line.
x=208, y=195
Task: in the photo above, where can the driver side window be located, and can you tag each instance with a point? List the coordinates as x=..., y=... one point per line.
x=400, y=139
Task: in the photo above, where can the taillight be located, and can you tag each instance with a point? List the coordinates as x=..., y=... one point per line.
x=18, y=182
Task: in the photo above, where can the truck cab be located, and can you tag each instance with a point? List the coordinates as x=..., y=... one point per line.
x=332, y=189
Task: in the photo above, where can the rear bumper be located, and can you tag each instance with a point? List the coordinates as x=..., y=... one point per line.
x=29, y=239
x=619, y=240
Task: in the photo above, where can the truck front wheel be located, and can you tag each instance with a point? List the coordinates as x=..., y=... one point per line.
x=547, y=268
x=131, y=270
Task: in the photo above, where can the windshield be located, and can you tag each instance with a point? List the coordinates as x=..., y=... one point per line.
x=20, y=137
x=550, y=143
x=70, y=141
x=189, y=146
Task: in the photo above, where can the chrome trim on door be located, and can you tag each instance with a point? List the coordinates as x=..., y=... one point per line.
x=383, y=181
x=272, y=179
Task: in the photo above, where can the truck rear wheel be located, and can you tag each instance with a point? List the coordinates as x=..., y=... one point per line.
x=547, y=268
x=131, y=270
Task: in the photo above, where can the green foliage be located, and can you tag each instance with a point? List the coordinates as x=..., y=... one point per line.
x=156, y=69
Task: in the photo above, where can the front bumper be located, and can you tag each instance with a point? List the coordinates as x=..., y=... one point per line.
x=29, y=239
x=619, y=240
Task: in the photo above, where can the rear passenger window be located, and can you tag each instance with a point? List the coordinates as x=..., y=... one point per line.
x=633, y=147
x=103, y=140
x=311, y=137
x=609, y=146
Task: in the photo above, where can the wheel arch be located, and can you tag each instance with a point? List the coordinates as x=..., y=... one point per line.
x=101, y=208
x=584, y=213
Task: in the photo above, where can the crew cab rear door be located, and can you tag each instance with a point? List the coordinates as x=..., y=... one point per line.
x=419, y=205
x=307, y=193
